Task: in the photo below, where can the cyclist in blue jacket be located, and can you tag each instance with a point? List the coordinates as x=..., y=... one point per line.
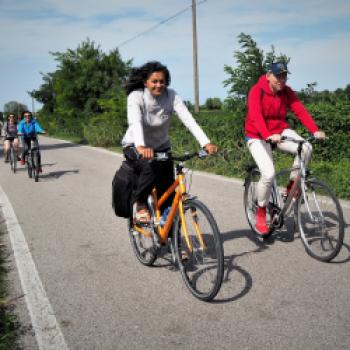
x=28, y=128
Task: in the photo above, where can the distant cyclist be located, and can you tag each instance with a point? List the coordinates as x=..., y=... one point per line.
x=10, y=135
x=269, y=100
x=28, y=128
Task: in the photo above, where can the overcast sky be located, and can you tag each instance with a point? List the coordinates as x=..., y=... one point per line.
x=314, y=33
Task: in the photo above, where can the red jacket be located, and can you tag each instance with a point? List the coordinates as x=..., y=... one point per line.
x=267, y=111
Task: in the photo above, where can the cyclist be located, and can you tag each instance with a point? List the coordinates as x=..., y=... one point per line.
x=10, y=135
x=29, y=128
x=269, y=100
x=150, y=106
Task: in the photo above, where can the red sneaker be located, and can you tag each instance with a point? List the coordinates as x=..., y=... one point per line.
x=261, y=225
x=40, y=170
x=22, y=162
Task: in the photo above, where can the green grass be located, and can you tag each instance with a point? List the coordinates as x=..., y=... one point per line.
x=9, y=326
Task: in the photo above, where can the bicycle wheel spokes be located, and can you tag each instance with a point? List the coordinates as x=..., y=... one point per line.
x=251, y=204
x=200, y=256
x=320, y=221
x=142, y=241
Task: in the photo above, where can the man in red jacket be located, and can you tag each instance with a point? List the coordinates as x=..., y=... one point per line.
x=269, y=100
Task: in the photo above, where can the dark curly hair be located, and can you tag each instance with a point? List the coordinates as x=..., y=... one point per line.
x=11, y=115
x=139, y=75
x=26, y=112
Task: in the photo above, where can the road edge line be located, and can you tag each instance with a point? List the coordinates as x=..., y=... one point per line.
x=47, y=331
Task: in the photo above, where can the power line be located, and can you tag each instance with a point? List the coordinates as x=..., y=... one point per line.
x=159, y=24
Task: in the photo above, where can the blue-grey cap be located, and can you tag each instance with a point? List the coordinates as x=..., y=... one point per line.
x=278, y=68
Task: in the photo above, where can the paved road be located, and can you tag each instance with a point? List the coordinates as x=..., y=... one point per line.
x=274, y=295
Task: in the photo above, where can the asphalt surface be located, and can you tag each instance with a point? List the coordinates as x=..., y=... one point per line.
x=274, y=296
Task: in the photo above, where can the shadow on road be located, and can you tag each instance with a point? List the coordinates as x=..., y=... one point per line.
x=58, y=174
x=58, y=146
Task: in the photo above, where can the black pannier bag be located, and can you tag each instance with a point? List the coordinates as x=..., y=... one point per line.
x=122, y=187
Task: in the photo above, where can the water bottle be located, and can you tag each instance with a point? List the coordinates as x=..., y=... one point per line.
x=164, y=216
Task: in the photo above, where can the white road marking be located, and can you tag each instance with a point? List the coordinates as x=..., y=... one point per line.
x=47, y=330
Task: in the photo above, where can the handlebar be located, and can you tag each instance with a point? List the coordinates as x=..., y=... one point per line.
x=287, y=138
x=163, y=156
x=31, y=134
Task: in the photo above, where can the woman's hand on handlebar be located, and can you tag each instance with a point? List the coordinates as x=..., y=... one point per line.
x=211, y=148
x=320, y=135
x=274, y=138
x=145, y=152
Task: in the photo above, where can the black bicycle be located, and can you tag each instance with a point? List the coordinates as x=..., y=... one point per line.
x=13, y=157
x=32, y=158
x=317, y=212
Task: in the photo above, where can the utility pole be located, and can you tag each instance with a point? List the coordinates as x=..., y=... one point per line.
x=33, y=110
x=195, y=57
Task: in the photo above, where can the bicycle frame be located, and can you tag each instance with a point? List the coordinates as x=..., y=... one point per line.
x=179, y=187
x=299, y=183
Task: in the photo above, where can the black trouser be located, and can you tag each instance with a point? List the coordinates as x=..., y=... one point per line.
x=26, y=146
x=149, y=174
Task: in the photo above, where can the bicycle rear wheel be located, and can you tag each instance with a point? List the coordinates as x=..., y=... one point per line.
x=143, y=242
x=250, y=202
x=201, y=267
x=320, y=221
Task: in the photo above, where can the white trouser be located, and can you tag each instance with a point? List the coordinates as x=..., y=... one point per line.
x=262, y=154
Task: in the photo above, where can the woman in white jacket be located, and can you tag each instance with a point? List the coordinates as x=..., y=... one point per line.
x=150, y=107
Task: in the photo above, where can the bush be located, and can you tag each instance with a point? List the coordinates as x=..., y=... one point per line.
x=105, y=130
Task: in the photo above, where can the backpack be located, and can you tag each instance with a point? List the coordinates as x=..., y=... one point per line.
x=122, y=187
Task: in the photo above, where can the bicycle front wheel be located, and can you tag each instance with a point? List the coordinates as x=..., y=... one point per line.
x=29, y=165
x=199, y=251
x=142, y=241
x=36, y=166
x=13, y=160
x=320, y=221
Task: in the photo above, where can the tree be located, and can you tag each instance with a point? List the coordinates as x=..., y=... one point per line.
x=189, y=105
x=251, y=64
x=77, y=91
x=15, y=107
x=213, y=103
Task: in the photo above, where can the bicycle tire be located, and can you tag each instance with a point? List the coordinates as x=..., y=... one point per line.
x=251, y=203
x=202, y=269
x=322, y=234
x=29, y=165
x=14, y=169
x=143, y=247
x=35, y=157
x=12, y=159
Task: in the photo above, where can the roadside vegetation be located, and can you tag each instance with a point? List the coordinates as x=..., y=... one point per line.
x=9, y=326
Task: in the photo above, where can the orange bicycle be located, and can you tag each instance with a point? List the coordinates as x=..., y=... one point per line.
x=190, y=231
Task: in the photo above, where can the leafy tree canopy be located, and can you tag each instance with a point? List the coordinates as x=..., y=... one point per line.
x=15, y=107
x=87, y=82
x=251, y=63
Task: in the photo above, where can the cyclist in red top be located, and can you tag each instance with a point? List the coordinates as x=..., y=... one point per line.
x=269, y=100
